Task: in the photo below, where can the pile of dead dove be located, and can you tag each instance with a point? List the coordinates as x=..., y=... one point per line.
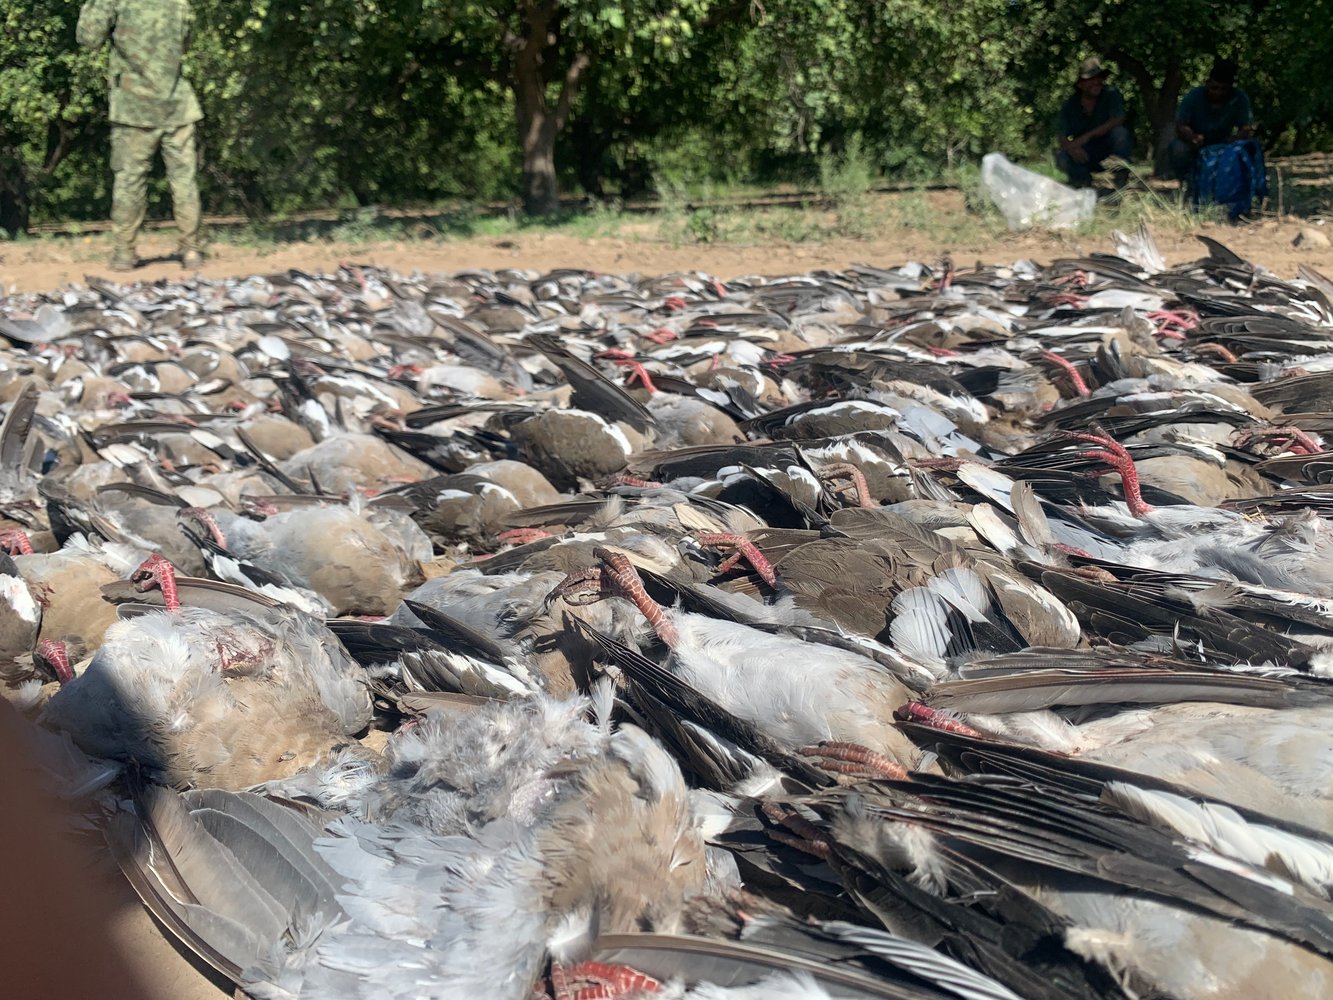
x=917, y=632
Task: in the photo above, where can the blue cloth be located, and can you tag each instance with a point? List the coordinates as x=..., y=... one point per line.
x=1230, y=174
x=1215, y=123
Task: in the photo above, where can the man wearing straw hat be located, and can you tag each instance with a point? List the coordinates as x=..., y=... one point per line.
x=1092, y=127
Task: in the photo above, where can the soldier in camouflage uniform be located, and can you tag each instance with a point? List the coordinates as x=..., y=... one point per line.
x=152, y=106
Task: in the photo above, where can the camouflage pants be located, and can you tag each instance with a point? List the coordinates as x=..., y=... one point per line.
x=132, y=152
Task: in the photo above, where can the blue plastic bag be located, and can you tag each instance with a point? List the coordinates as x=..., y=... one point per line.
x=1230, y=174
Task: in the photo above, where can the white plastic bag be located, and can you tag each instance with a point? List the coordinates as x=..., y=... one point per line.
x=1029, y=199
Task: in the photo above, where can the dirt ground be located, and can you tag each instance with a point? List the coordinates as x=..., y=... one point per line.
x=44, y=265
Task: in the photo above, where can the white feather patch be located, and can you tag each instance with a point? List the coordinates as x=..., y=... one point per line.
x=17, y=595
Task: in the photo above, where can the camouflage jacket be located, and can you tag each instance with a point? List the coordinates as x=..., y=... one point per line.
x=148, y=39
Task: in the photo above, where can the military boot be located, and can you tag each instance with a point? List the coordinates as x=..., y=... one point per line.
x=122, y=260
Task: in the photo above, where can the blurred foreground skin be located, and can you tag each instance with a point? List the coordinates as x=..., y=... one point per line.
x=69, y=926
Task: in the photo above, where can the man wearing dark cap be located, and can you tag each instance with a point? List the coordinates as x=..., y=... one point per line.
x=152, y=107
x=1092, y=127
x=1215, y=113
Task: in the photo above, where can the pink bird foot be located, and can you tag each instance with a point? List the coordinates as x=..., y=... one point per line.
x=1172, y=323
x=579, y=589
x=522, y=536
x=615, y=576
x=794, y=830
x=1298, y=440
x=55, y=656
x=16, y=542
x=599, y=981
x=259, y=508
x=629, y=479
x=854, y=761
x=156, y=571
x=740, y=548
x=206, y=521
x=1225, y=353
x=1075, y=377
x=857, y=481
x=1114, y=455
x=1067, y=299
x=915, y=711
x=627, y=360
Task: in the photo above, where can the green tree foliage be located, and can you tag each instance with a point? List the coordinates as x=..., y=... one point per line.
x=312, y=103
x=1161, y=48
x=48, y=93
x=1287, y=75
x=541, y=51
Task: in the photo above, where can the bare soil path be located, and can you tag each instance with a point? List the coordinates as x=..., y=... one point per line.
x=46, y=264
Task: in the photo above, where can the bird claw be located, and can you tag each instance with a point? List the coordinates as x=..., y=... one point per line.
x=157, y=571
x=207, y=522
x=846, y=470
x=580, y=589
x=599, y=981
x=795, y=831
x=55, y=655
x=15, y=542
x=1118, y=458
x=619, y=577
x=626, y=359
x=1223, y=352
x=628, y=479
x=915, y=711
x=1101, y=440
x=853, y=760
x=1173, y=323
x=259, y=508
x=523, y=536
x=42, y=594
x=741, y=548
x=1298, y=441
x=1067, y=299
x=614, y=576
x=1075, y=376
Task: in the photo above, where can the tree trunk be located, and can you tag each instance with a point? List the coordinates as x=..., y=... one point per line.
x=17, y=182
x=14, y=197
x=1159, y=101
x=538, y=123
x=536, y=137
